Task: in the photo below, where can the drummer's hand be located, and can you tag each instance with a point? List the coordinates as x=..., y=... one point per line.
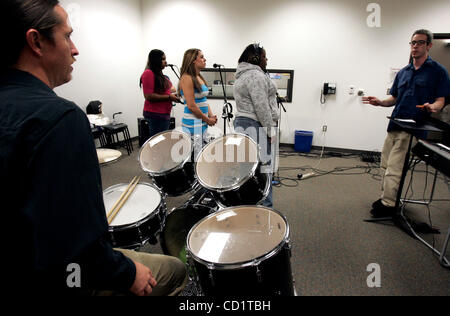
x=144, y=282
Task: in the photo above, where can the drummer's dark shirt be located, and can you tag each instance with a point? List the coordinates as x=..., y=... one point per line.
x=51, y=195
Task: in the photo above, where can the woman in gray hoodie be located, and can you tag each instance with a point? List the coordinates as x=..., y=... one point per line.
x=256, y=103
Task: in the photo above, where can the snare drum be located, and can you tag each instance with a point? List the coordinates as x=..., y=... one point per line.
x=229, y=167
x=242, y=251
x=140, y=218
x=167, y=157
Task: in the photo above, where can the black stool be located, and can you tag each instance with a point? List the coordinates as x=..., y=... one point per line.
x=112, y=135
x=97, y=133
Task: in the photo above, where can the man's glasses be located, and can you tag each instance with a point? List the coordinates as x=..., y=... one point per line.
x=420, y=43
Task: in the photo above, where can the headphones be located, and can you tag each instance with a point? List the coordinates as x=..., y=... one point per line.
x=256, y=59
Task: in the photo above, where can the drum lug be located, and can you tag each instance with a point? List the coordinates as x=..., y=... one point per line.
x=210, y=274
x=288, y=247
x=256, y=264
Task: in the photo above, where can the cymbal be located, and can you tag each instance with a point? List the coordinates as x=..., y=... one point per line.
x=106, y=155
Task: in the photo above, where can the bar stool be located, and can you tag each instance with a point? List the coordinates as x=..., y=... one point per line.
x=112, y=132
x=97, y=133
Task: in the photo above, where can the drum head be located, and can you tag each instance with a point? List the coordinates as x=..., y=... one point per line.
x=165, y=151
x=227, y=162
x=237, y=235
x=107, y=155
x=177, y=226
x=142, y=202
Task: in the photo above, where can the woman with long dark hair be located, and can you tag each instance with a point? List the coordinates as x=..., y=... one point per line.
x=159, y=93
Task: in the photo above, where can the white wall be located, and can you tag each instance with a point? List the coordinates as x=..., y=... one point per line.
x=322, y=40
x=108, y=34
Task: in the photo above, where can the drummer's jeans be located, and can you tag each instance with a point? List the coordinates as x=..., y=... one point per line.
x=170, y=273
x=255, y=131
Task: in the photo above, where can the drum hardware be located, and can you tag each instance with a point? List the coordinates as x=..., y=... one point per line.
x=289, y=247
x=258, y=271
x=211, y=277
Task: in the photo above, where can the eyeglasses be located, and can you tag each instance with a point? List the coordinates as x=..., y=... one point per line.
x=420, y=43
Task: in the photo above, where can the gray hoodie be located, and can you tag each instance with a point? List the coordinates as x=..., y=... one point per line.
x=255, y=95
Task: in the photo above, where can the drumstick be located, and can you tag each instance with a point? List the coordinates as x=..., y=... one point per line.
x=121, y=197
x=123, y=201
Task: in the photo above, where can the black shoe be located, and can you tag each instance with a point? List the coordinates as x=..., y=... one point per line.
x=377, y=204
x=380, y=210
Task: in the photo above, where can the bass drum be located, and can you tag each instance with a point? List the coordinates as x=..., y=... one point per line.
x=177, y=225
x=242, y=251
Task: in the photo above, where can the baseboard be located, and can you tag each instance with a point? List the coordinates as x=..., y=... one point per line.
x=366, y=156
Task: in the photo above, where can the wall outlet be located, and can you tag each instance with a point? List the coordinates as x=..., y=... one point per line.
x=351, y=90
x=324, y=128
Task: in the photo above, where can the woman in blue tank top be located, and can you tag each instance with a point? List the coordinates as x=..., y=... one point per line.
x=192, y=87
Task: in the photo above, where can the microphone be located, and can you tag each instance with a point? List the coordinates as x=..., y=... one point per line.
x=170, y=65
x=217, y=65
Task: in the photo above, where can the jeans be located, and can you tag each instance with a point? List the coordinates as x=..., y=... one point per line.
x=157, y=125
x=254, y=130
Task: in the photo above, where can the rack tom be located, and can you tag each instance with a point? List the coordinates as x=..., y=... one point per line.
x=167, y=158
x=230, y=168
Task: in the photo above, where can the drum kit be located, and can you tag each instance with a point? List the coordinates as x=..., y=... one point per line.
x=231, y=244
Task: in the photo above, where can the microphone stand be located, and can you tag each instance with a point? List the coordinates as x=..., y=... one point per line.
x=171, y=67
x=280, y=102
x=280, y=106
x=227, y=107
x=173, y=104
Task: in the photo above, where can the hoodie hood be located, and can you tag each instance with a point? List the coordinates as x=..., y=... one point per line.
x=245, y=67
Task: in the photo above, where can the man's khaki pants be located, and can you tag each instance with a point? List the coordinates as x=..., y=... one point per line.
x=169, y=272
x=392, y=161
